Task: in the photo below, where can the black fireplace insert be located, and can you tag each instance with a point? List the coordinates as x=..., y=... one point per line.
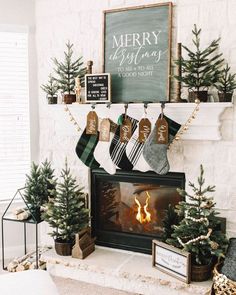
x=128, y=208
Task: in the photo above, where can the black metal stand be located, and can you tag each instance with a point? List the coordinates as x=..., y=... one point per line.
x=8, y=217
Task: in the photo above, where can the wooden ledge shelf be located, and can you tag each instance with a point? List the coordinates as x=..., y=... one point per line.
x=206, y=125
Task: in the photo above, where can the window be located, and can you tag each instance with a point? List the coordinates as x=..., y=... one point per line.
x=14, y=112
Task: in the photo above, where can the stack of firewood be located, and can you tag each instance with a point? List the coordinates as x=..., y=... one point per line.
x=27, y=261
x=21, y=213
x=24, y=213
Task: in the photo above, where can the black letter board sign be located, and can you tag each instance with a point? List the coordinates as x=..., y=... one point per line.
x=98, y=87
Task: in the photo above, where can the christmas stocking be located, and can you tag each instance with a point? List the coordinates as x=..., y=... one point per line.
x=134, y=152
x=156, y=154
x=85, y=149
x=103, y=157
x=117, y=148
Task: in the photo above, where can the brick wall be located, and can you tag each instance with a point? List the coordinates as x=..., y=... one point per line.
x=81, y=22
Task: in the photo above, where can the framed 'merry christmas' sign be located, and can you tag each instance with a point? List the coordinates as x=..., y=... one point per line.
x=137, y=52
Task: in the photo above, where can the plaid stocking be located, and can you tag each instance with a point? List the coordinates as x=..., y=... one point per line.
x=85, y=149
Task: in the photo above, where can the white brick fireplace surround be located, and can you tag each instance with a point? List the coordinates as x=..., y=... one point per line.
x=81, y=22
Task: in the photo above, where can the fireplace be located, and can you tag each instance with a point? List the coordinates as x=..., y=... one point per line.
x=128, y=207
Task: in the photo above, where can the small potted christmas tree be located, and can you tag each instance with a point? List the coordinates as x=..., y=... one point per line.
x=51, y=89
x=40, y=187
x=200, y=69
x=67, y=214
x=35, y=191
x=198, y=232
x=67, y=71
x=226, y=84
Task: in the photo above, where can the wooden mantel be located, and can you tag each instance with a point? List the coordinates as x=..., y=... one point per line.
x=206, y=125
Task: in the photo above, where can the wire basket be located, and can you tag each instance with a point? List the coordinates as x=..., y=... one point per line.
x=221, y=284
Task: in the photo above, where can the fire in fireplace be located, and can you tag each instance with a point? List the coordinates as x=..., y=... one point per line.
x=128, y=208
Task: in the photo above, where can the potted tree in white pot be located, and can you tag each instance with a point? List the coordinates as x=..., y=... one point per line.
x=66, y=213
x=226, y=84
x=201, y=68
x=67, y=71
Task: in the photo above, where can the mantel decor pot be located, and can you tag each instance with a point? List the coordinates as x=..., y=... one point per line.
x=69, y=98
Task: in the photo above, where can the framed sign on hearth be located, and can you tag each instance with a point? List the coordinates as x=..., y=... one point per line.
x=137, y=45
x=171, y=260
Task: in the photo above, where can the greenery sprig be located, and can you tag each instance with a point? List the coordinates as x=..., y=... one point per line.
x=226, y=82
x=51, y=87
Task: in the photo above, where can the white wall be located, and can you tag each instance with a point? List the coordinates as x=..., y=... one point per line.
x=81, y=22
x=22, y=13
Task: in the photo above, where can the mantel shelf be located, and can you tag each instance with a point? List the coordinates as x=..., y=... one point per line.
x=206, y=125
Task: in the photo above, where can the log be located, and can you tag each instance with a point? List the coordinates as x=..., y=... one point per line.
x=18, y=210
x=27, y=261
x=23, y=215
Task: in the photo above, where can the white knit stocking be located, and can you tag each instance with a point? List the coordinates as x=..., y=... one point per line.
x=102, y=155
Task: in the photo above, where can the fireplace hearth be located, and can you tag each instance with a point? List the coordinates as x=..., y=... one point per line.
x=128, y=208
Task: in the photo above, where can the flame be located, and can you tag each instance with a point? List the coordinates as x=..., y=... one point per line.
x=148, y=215
x=143, y=216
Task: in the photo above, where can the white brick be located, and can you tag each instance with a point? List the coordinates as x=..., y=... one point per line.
x=227, y=40
x=231, y=233
x=213, y=14
x=81, y=21
x=231, y=225
x=232, y=202
x=116, y=3
x=228, y=114
x=232, y=155
x=221, y=197
x=175, y=157
x=221, y=154
x=231, y=11
x=232, y=54
x=227, y=130
x=222, y=175
x=198, y=152
x=232, y=191
x=186, y=23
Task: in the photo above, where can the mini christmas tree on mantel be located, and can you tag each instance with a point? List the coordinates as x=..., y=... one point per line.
x=67, y=71
x=201, y=67
x=198, y=232
x=51, y=89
